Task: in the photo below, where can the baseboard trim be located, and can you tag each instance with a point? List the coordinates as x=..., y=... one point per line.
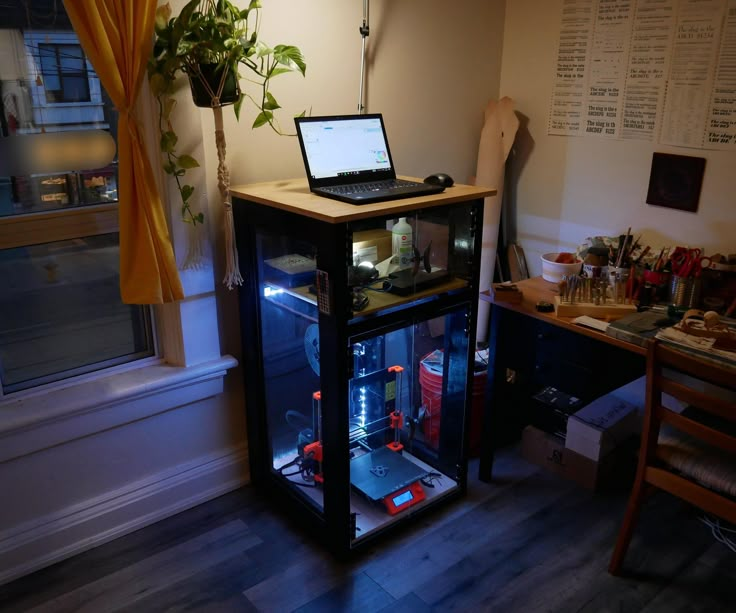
x=49, y=539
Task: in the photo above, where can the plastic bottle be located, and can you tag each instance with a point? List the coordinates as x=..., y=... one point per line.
x=401, y=243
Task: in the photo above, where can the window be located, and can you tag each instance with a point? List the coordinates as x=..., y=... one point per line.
x=64, y=71
x=60, y=309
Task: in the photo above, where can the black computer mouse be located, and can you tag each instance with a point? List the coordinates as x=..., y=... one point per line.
x=440, y=178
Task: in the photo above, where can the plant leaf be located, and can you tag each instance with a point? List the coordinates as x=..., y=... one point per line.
x=279, y=70
x=169, y=168
x=263, y=118
x=163, y=14
x=187, y=162
x=238, y=105
x=289, y=55
x=168, y=141
x=186, y=192
x=158, y=84
x=271, y=104
x=263, y=50
x=199, y=217
x=254, y=4
x=183, y=23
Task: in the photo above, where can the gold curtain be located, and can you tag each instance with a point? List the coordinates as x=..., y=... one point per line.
x=117, y=36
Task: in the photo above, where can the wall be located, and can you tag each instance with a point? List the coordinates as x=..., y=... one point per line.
x=569, y=188
x=431, y=70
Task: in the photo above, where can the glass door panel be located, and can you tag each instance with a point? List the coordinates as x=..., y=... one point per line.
x=289, y=333
x=406, y=414
x=397, y=261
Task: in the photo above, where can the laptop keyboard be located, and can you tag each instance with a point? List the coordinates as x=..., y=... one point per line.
x=376, y=186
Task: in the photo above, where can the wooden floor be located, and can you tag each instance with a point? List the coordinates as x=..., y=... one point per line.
x=529, y=542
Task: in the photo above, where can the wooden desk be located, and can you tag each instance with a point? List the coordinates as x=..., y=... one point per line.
x=529, y=350
x=538, y=290
x=293, y=196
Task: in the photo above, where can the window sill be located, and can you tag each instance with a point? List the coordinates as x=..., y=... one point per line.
x=62, y=415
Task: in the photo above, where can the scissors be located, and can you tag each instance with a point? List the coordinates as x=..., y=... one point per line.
x=698, y=264
x=689, y=262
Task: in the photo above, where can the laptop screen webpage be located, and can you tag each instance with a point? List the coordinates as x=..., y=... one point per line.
x=344, y=149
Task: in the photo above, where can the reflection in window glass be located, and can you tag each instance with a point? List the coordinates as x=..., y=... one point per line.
x=47, y=86
x=61, y=314
x=64, y=73
x=60, y=308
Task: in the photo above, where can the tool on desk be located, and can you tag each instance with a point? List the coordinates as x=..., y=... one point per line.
x=644, y=252
x=638, y=328
x=591, y=322
x=664, y=255
x=688, y=262
x=622, y=246
x=588, y=296
x=507, y=292
x=573, y=288
x=709, y=325
x=562, y=288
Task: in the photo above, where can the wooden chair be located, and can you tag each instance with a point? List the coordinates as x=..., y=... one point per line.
x=691, y=454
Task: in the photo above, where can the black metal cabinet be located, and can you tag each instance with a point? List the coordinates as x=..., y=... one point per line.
x=527, y=355
x=358, y=392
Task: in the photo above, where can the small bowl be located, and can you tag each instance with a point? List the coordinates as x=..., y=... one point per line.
x=554, y=271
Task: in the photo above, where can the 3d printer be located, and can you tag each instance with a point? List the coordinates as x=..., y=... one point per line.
x=378, y=470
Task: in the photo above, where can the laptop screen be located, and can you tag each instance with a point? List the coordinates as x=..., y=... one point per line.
x=344, y=149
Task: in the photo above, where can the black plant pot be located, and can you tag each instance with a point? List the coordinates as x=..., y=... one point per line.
x=201, y=93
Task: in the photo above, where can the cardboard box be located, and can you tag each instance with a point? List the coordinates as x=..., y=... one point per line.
x=373, y=246
x=634, y=393
x=599, y=427
x=613, y=470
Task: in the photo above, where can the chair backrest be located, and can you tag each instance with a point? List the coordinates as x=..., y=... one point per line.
x=673, y=372
x=702, y=445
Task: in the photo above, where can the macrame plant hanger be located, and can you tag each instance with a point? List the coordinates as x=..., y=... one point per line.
x=232, y=267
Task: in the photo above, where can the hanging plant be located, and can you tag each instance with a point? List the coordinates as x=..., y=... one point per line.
x=215, y=44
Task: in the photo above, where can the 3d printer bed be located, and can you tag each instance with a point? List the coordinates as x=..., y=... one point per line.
x=382, y=472
x=372, y=515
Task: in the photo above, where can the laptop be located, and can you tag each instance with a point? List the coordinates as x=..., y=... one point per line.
x=347, y=158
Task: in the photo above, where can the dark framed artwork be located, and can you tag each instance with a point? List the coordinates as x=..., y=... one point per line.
x=675, y=181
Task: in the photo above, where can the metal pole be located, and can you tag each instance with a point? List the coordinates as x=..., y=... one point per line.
x=364, y=32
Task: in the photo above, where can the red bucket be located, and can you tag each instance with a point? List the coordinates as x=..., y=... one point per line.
x=430, y=383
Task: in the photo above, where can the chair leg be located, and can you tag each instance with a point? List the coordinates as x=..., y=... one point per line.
x=627, y=527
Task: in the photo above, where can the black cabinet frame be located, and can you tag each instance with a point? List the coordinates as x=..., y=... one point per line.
x=338, y=329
